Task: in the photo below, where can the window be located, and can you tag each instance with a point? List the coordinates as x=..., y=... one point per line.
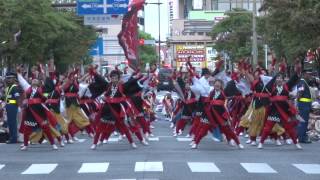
x=200, y=33
x=192, y=34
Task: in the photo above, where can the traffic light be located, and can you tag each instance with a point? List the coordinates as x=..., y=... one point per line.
x=141, y=42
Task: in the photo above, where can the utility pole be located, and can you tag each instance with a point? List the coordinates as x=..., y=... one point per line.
x=159, y=42
x=159, y=58
x=254, y=35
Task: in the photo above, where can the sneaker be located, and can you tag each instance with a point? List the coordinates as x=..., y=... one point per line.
x=288, y=141
x=54, y=147
x=194, y=146
x=298, y=146
x=133, y=145
x=180, y=132
x=175, y=134
x=246, y=136
x=105, y=141
x=75, y=139
x=192, y=143
x=260, y=146
x=151, y=135
x=253, y=143
x=144, y=142
x=278, y=143
x=241, y=134
x=99, y=143
x=24, y=148
x=240, y=146
x=171, y=125
x=70, y=141
x=61, y=144
x=188, y=136
x=120, y=138
x=248, y=141
x=232, y=143
x=215, y=139
x=152, y=127
x=93, y=147
x=115, y=133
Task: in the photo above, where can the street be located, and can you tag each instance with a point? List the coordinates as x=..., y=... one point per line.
x=166, y=158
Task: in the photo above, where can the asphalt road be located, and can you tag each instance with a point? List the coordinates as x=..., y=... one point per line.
x=166, y=158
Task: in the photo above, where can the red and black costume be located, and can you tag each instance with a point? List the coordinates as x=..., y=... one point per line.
x=280, y=109
x=111, y=114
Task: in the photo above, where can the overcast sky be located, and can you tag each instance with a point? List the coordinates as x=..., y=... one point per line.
x=151, y=19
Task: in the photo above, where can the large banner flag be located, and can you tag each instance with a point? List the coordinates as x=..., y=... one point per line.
x=128, y=36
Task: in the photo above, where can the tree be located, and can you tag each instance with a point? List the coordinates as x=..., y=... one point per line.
x=147, y=53
x=291, y=27
x=45, y=32
x=233, y=34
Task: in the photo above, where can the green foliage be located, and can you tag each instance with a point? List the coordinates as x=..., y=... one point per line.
x=292, y=27
x=147, y=53
x=233, y=34
x=45, y=32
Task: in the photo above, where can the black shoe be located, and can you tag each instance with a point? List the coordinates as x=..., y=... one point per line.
x=306, y=142
x=11, y=142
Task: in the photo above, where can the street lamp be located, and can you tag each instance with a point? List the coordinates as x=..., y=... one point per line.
x=254, y=36
x=159, y=42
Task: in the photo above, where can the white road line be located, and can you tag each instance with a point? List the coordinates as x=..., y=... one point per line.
x=116, y=139
x=203, y=167
x=148, y=166
x=2, y=166
x=308, y=168
x=183, y=139
x=165, y=136
x=81, y=140
x=94, y=168
x=258, y=168
x=40, y=169
x=153, y=139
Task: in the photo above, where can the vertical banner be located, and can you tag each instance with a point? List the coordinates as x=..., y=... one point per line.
x=128, y=36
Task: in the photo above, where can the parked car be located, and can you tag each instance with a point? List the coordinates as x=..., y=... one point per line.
x=165, y=81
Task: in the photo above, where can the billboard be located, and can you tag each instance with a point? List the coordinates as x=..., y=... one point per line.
x=197, y=54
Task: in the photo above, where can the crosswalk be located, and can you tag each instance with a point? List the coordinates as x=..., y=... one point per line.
x=159, y=166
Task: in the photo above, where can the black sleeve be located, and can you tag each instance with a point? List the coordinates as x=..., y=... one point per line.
x=231, y=89
x=98, y=86
x=131, y=87
x=293, y=81
x=215, y=72
x=181, y=82
x=271, y=83
x=48, y=85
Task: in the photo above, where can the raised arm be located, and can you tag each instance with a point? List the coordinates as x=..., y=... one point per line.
x=23, y=83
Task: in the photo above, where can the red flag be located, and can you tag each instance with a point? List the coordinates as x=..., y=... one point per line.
x=128, y=36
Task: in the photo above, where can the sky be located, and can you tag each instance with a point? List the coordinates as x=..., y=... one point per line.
x=151, y=19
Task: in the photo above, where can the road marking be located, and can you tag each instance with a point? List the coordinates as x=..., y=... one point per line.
x=308, y=168
x=116, y=139
x=81, y=140
x=165, y=136
x=203, y=167
x=148, y=166
x=40, y=169
x=94, y=168
x=153, y=139
x=184, y=139
x=258, y=168
x=2, y=166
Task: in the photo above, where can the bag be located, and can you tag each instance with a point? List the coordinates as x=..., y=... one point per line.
x=4, y=136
